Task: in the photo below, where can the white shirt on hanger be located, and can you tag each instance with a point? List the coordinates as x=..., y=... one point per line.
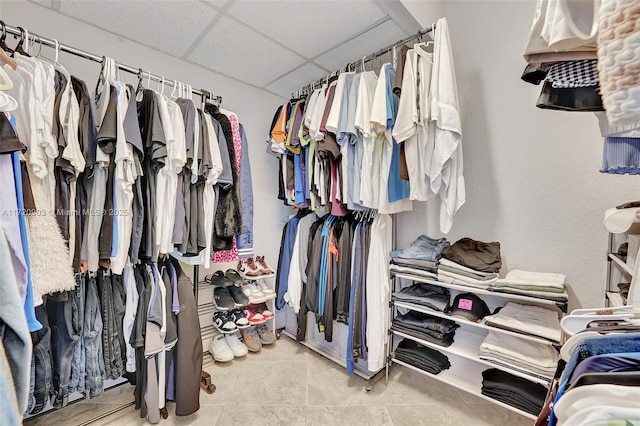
x=368, y=80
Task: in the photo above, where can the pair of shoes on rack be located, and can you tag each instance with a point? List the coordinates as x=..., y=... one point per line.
x=230, y=321
x=227, y=290
x=256, y=337
x=225, y=347
x=258, y=314
x=254, y=267
x=258, y=291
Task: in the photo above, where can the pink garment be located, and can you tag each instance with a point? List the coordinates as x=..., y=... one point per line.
x=231, y=255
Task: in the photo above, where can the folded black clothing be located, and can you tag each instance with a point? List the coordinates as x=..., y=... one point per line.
x=441, y=339
x=478, y=255
x=429, y=295
x=428, y=322
x=424, y=354
x=425, y=366
x=513, y=390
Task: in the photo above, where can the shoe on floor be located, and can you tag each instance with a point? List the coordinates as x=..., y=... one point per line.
x=248, y=269
x=222, y=322
x=251, y=339
x=239, y=298
x=265, y=289
x=265, y=312
x=267, y=337
x=253, y=292
x=237, y=347
x=263, y=267
x=234, y=276
x=219, y=349
x=255, y=318
x=222, y=299
x=238, y=318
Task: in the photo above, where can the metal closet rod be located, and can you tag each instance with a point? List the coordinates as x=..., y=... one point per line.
x=365, y=59
x=36, y=38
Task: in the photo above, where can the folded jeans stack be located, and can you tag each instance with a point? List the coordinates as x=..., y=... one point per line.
x=422, y=357
x=539, y=284
x=428, y=295
x=529, y=320
x=514, y=391
x=423, y=248
x=520, y=355
x=455, y=273
x=426, y=327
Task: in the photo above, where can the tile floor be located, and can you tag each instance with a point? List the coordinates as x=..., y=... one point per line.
x=288, y=384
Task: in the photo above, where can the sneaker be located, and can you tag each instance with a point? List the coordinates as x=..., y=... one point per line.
x=267, y=337
x=253, y=293
x=255, y=318
x=238, y=318
x=222, y=299
x=246, y=269
x=219, y=279
x=219, y=349
x=251, y=338
x=234, y=277
x=237, y=347
x=265, y=312
x=238, y=296
x=222, y=322
x=265, y=289
x=263, y=267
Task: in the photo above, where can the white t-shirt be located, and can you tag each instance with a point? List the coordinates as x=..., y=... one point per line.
x=333, y=118
x=368, y=80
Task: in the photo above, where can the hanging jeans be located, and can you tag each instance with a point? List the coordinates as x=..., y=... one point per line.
x=63, y=314
x=41, y=363
x=110, y=342
x=78, y=365
x=92, y=340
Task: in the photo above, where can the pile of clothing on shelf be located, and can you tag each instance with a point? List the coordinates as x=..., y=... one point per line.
x=521, y=355
x=422, y=357
x=432, y=329
x=423, y=294
x=544, y=285
x=471, y=263
x=513, y=390
x=527, y=319
x=597, y=379
x=420, y=258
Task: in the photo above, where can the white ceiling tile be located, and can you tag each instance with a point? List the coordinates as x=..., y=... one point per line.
x=45, y=3
x=216, y=3
x=308, y=27
x=238, y=51
x=373, y=40
x=170, y=26
x=296, y=79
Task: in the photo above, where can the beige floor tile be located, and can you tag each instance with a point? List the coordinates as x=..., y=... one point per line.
x=262, y=416
x=328, y=384
x=119, y=395
x=407, y=388
x=267, y=383
x=490, y=415
x=431, y=415
x=284, y=349
x=347, y=416
x=72, y=414
x=127, y=417
x=224, y=376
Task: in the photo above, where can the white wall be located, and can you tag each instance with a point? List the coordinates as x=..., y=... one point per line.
x=254, y=107
x=426, y=12
x=532, y=175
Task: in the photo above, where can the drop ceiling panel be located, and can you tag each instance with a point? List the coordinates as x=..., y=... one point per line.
x=365, y=44
x=236, y=50
x=308, y=27
x=169, y=26
x=296, y=79
x=216, y=3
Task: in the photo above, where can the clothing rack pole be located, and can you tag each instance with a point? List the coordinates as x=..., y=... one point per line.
x=44, y=41
x=366, y=58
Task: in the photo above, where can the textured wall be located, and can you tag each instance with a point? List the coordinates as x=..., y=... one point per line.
x=532, y=175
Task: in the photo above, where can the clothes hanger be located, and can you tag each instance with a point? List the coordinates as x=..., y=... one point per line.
x=3, y=43
x=24, y=35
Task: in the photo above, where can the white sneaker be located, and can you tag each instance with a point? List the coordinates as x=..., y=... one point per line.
x=237, y=347
x=266, y=290
x=219, y=348
x=254, y=293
